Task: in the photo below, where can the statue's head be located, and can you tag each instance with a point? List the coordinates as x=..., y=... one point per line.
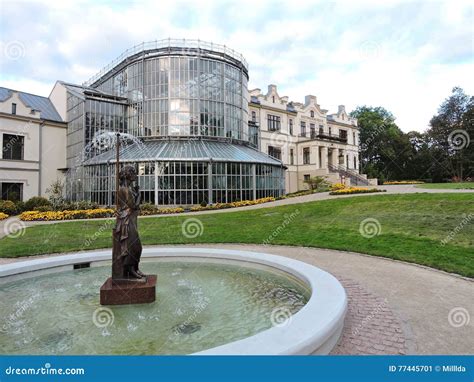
x=128, y=173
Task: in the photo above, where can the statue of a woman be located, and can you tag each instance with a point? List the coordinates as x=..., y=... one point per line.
x=127, y=241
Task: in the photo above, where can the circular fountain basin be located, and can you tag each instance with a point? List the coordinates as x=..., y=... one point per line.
x=209, y=301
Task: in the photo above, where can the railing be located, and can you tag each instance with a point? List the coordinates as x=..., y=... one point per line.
x=168, y=43
x=355, y=177
x=331, y=137
x=327, y=136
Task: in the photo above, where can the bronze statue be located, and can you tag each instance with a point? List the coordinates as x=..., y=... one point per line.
x=127, y=248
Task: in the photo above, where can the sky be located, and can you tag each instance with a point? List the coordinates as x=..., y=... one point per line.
x=403, y=55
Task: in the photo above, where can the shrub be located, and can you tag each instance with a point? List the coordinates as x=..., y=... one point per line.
x=317, y=183
x=20, y=207
x=43, y=208
x=7, y=207
x=82, y=205
x=3, y=216
x=148, y=209
x=36, y=201
x=203, y=204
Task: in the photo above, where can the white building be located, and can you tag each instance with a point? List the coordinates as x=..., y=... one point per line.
x=309, y=141
x=33, y=141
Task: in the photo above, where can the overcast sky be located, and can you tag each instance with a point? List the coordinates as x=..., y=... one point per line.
x=404, y=56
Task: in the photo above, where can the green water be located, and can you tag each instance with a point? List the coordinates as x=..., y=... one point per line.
x=198, y=306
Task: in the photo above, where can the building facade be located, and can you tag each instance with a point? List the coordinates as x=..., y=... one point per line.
x=181, y=108
x=187, y=122
x=309, y=141
x=29, y=163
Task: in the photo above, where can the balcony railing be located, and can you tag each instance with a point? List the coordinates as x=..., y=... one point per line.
x=327, y=136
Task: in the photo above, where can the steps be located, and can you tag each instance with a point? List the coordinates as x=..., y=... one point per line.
x=355, y=178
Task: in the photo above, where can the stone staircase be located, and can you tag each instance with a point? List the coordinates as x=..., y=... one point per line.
x=355, y=178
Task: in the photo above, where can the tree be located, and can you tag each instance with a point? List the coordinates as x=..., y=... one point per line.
x=450, y=134
x=386, y=152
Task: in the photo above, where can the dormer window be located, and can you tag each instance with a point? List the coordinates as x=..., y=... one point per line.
x=13, y=108
x=312, y=113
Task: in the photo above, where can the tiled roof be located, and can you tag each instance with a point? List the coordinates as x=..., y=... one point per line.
x=36, y=102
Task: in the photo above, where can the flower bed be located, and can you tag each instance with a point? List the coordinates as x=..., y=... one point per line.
x=154, y=210
x=3, y=216
x=355, y=190
x=337, y=186
x=242, y=203
x=67, y=215
x=403, y=182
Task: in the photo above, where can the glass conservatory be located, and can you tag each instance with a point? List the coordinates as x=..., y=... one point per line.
x=186, y=102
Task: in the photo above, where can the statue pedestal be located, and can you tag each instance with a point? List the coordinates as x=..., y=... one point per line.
x=122, y=292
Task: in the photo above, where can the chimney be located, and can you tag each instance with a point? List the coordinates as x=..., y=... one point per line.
x=309, y=99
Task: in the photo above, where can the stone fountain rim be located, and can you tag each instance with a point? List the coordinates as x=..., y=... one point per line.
x=315, y=329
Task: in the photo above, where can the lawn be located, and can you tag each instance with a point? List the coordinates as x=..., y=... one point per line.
x=412, y=229
x=450, y=186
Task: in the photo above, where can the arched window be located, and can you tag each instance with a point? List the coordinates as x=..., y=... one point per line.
x=312, y=113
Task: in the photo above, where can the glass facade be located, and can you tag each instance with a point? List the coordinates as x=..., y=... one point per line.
x=183, y=96
x=185, y=182
x=173, y=94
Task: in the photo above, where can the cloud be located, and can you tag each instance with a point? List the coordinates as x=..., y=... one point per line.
x=403, y=55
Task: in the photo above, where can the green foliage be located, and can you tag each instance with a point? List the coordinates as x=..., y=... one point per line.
x=56, y=194
x=148, y=209
x=388, y=154
x=317, y=183
x=8, y=207
x=81, y=205
x=36, y=201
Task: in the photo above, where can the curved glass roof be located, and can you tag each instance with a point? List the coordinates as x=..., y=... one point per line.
x=185, y=150
x=184, y=44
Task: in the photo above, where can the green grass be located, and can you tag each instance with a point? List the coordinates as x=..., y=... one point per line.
x=450, y=186
x=412, y=228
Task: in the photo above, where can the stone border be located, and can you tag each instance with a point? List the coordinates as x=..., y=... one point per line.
x=315, y=329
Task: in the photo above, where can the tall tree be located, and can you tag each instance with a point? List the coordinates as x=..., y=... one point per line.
x=450, y=135
x=385, y=150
